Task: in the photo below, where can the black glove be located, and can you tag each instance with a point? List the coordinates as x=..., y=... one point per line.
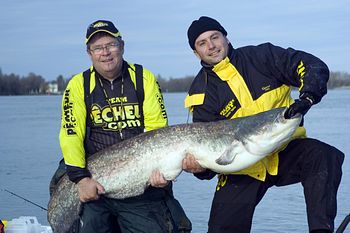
x=299, y=106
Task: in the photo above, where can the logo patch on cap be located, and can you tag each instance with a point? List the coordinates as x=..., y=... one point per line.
x=100, y=24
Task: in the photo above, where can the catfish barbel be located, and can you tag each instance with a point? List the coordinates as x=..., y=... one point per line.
x=124, y=169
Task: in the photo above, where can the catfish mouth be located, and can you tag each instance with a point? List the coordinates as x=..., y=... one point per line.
x=298, y=115
x=280, y=118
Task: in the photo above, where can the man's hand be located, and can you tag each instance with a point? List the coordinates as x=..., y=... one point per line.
x=157, y=179
x=190, y=164
x=89, y=189
x=300, y=106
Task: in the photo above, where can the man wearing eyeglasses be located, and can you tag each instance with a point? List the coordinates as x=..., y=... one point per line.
x=108, y=112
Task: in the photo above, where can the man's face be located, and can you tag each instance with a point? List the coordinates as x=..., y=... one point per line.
x=106, y=53
x=211, y=47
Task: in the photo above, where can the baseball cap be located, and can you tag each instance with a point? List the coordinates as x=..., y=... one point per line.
x=101, y=26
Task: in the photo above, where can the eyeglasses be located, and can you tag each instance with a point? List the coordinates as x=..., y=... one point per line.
x=111, y=47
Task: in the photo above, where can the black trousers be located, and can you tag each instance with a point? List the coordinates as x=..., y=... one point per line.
x=107, y=215
x=315, y=164
x=155, y=211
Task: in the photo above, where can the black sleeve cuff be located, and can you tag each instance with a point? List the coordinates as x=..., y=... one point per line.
x=310, y=97
x=206, y=175
x=75, y=174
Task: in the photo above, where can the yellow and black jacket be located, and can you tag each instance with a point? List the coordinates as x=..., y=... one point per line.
x=254, y=79
x=81, y=136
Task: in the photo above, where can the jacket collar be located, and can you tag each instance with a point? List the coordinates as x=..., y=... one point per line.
x=223, y=66
x=230, y=54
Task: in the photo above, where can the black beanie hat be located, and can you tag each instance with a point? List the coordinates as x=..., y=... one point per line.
x=201, y=25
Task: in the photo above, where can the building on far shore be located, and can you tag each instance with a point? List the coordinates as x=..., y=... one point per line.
x=52, y=88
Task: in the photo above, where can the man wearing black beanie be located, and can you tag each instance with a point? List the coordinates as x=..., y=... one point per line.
x=244, y=81
x=201, y=25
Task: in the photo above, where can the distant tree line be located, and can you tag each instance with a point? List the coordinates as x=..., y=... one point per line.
x=32, y=84
x=175, y=84
x=338, y=79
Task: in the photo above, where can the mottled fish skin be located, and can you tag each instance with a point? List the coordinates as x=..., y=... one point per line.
x=224, y=146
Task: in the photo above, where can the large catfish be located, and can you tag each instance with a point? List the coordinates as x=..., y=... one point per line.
x=224, y=146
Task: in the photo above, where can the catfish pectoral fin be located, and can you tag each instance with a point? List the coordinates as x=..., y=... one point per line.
x=229, y=154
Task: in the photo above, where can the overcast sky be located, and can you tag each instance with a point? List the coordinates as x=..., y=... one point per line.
x=47, y=37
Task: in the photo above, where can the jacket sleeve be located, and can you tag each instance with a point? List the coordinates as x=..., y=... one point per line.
x=296, y=68
x=155, y=115
x=206, y=175
x=73, y=128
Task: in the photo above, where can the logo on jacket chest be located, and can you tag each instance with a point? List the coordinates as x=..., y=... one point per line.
x=266, y=88
x=228, y=109
x=117, y=115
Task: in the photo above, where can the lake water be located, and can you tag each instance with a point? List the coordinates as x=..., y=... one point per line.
x=29, y=153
